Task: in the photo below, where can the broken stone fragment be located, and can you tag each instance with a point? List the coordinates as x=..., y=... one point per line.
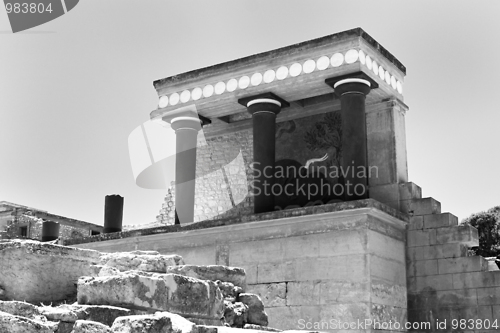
x=159, y=322
x=260, y=328
x=234, y=275
x=22, y=309
x=39, y=272
x=186, y=296
x=235, y=314
x=223, y=329
x=256, y=313
x=85, y=326
x=103, y=270
x=229, y=290
x=127, y=261
x=70, y=313
x=17, y=324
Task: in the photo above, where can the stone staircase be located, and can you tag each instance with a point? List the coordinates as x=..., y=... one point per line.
x=447, y=286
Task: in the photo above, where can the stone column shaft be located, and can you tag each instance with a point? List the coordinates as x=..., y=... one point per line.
x=186, y=130
x=352, y=93
x=264, y=109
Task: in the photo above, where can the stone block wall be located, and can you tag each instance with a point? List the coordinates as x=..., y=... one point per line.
x=34, y=229
x=446, y=286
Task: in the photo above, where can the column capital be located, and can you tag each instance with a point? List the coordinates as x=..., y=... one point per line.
x=267, y=102
x=358, y=82
x=187, y=115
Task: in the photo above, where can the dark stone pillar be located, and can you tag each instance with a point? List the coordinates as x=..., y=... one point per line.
x=352, y=93
x=113, y=213
x=50, y=231
x=264, y=109
x=186, y=130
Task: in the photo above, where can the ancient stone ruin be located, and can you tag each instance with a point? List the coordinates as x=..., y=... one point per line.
x=59, y=289
x=265, y=148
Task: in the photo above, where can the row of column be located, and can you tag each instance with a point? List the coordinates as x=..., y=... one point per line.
x=264, y=108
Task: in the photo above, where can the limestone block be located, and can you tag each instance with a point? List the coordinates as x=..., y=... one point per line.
x=22, y=309
x=476, y=280
x=464, y=233
x=416, y=223
x=331, y=291
x=85, y=326
x=409, y=190
x=272, y=294
x=17, y=324
x=233, y=275
x=462, y=265
x=386, y=314
x=339, y=313
x=160, y=322
x=440, y=251
x=187, y=296
x=422, y=206
x=40, y=272
x=440, y=220
x=388, y=293
x=488, y=296
x=294, y=316
x=303, y=293
x=465, y=297
x=235, y=314
x=127, y=261
x=256, y=313
x=422, y=268
x=421, y=237
x=436, y=282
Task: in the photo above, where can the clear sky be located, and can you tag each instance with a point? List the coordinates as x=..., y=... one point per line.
x=73, y=89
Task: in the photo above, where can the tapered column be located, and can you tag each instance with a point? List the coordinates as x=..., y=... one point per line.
x=113, y=213
x=186, y=130
x=264, y=109
x=352, y=93
x=50, y=231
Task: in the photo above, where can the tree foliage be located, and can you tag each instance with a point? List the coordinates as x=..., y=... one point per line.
x=488, y=227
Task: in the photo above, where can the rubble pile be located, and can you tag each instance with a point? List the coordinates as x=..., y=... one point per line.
x=127, y=292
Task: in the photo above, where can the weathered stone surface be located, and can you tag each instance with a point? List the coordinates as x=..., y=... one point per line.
x=229, y=290
x=22, y=309
x=17, y=324
x=235, y=314
x=160, y=322
x=137, y=260
x=183, y=295
x=272, y=294
x=103, y=270
x=39, y=272
x=256, y=313
x=85, y=326
x=225, y=329
x=260, y=328
x=70, y=313
x=234, y=275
